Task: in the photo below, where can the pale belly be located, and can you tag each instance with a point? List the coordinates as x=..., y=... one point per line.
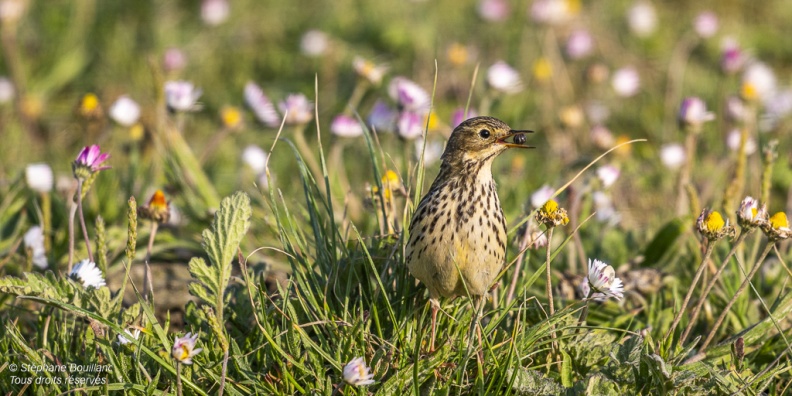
x=458, y=246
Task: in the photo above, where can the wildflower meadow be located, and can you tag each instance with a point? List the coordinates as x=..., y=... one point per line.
x=214, y=197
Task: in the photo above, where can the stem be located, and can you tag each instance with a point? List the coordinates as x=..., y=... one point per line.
x=214, y=143
x=178, y=379
x=82, y=220
x=549, y=288
x=72, y=213
x=147, y=285
x=684, y=176
x=711, y=284
x=357, y=94
x=691, y=288
x=745, y=282
x=46, y=210
x=223, y=375
x=518, y=267
x=305, y=151
x=583, y=316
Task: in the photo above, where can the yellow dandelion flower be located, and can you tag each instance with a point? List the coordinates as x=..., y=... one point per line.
x=748, y=92
x=712, y=225
x=542, y=70
x=457, y=54
x=779, y=221
x=231, y=116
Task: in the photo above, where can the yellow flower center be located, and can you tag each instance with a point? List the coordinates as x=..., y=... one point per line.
x=231, y=116
x=748, y=91
x=457, y=54
x=714, y=222
x=779, y=220
x=542, y=69
x=185, y=352
x=550, y=206
x=754, y=211
x=89, y=103
x=433, y=121
x=136, y=132
x=573, y=6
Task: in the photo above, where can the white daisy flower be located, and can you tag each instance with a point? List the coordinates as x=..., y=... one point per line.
x=88, y=273
x=129, y=337
x=357, y=373
x=602, y=280
x=184, y=348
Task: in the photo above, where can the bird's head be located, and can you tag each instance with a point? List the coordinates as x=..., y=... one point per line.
x=482, y=139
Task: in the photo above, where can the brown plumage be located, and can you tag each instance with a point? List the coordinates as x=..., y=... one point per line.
x=457, y=241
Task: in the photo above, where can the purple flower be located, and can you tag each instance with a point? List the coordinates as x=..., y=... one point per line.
x=459, y=116
x=732, y=57
x=382, y=118
x=89, y=161
x=409, y=95
x=297, y=109
x=693, y=112
x=261, y=105
x=410, y=125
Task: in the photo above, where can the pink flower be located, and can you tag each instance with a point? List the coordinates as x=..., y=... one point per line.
x=382, y=118
x=297, y=109
x=732, y=57
x=459, y=116
x=693, y=112
x=174, y=60
x=410, y=125
x=184, y=348
x=346, y=126
x=214, y=12
x=493, y=10
x=706, y=24
x=579, y=44
x=626, y=82
x=89, y=161
x=261, y=105
x=409, y=95
x=504, y=78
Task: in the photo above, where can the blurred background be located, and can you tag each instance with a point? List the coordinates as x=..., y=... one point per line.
x=586, y=75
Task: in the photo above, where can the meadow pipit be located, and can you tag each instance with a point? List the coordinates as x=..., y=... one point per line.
x=457, y=239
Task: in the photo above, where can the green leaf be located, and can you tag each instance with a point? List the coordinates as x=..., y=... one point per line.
x=664, y=241
x=566, y=369
x=207, y=286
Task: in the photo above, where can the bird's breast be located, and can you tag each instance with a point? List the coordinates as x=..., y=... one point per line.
x=458, y=229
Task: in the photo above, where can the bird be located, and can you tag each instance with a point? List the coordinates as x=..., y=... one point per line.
x=457, y=235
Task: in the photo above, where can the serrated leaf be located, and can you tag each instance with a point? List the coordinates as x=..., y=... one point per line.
x=221, y=242
x=207, y=276
x=566, y=370
x=532, y=382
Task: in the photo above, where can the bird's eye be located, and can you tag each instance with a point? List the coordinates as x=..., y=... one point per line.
x=484, y=133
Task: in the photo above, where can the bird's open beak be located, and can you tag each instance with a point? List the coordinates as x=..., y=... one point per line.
x=512, y=140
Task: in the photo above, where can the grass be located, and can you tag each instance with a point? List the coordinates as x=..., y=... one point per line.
x=333, y=235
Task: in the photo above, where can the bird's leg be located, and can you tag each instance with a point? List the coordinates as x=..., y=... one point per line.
x=479, y=314
x=435, y=305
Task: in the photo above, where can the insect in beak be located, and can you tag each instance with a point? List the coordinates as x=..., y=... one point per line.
x=517, y=139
